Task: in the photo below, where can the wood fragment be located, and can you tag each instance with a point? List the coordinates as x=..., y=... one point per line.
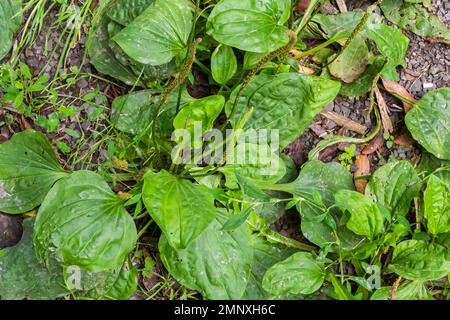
x=341, y=5
x=344, y=122
x=384, y=112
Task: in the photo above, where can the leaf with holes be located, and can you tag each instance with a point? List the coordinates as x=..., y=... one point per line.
x=415, y=18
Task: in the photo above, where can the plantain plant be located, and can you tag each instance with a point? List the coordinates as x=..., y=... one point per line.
x=214, y=213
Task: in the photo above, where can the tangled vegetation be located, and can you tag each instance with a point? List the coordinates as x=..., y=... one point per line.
x=211, y=211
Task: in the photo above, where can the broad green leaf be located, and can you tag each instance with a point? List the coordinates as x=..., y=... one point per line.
x=429, y=164
x=202, y=113
x=253, y=161
x=250, y=188
x=132, y=113
x=118, y=283
x=394, y=186
x=108, y=58
x=159, y=34
x=437, y=206
x=28, y=169
x=301, y=273
x=217, y=263
x=419, y=260
x=414, y=290
x=223, y=64
x=287, y=102
x=291, y=169
x=10, y=20
x=429, y=122
x=252, y=25
x=392, y=44
x=364, y=83
x=125, y=11
x=84, y=223
x=350, y=64
x=444, y=240
x=318, y=179
x=23, y=277
x=341, y=292
x=321, y=179
x=415, y=18
x=126, y=283
x=270, y=211
x=182, y=209
x=335, y=24
x=237, y=220
x=265, y=256
x=365, y=216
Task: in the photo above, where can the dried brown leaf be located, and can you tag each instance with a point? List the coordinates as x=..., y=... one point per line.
x=384, y=111
x=398, y=89
x=404, y=140
x=373, y=145
x=344, y=122
x=302, y=5
x=362, y=169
